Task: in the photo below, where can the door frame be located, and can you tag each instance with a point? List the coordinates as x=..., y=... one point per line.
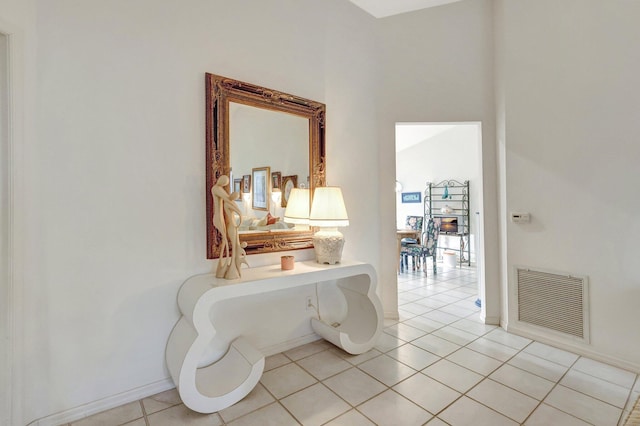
x=11, y=184
x=478, y=222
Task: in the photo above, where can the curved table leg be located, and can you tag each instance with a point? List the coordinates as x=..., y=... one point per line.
x=218, y=385
x=360, y=330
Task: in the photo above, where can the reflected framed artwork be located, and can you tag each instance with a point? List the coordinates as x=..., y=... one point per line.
x=261, y=180
x=288, y=183
x=237, y=185
x=246, y=184
x=276, y=180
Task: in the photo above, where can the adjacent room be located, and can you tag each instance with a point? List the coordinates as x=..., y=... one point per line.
x=438, y=178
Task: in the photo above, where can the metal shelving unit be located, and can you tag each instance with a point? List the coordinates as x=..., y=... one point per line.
x=454, y=195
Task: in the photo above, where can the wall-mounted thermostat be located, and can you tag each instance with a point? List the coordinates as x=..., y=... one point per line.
x=520, y=217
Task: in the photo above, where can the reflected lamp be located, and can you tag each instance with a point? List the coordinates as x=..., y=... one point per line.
x=297, y=211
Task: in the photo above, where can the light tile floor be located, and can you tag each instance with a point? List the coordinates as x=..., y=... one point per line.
x=437, y=365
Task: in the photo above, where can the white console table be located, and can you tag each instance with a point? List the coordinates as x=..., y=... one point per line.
x=229, y=379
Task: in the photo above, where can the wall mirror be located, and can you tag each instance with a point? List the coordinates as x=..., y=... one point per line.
x=267, y=142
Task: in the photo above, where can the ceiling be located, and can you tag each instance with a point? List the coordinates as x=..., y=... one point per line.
x=383, y=8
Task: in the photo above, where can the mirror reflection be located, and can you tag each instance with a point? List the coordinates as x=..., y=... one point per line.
x=272, y=144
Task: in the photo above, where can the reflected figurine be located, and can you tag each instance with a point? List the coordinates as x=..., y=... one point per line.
x=227, y=217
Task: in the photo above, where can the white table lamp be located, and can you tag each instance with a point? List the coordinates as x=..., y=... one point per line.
x=328, y=212
x=297, y=211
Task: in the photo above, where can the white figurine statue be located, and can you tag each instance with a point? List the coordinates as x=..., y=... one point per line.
x=226, y=219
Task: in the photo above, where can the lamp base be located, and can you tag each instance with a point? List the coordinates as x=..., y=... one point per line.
x=328, y=243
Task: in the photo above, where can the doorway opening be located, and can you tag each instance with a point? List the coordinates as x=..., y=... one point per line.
x=440, y=154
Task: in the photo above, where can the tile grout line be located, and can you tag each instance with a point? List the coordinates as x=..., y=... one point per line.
x=144, y=413
x=462, y=394
x=630, y=398
x=318, y=381
x=555, y=384
x=485, y=377
x=462, y=299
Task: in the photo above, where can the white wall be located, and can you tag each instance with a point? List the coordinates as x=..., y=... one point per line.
x=352, y=145
x=572, y=100
x=437, y=66
x=111, y=202
x=116, y=174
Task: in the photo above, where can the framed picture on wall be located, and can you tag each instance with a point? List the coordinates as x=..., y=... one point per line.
x=411, y=197
x=261, y=178
x=288, y=183
x=246, y=184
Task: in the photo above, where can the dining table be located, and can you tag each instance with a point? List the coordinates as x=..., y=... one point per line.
x=405, y=233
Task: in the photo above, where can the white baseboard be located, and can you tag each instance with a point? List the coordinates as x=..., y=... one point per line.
x=91, y=408
x=394, y=315
x=104, y=404
x=574, y=347
x=491, y=320
x=289, y=344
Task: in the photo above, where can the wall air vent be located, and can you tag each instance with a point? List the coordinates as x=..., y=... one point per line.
x=553, y=301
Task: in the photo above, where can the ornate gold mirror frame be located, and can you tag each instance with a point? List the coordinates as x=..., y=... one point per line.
x=219, y=92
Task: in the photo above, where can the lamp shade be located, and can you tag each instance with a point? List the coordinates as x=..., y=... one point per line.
x=328, y=209
x=297, y=210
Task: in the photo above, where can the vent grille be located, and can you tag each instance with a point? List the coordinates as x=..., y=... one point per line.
x=552, y=301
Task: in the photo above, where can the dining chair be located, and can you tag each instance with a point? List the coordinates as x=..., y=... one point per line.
x=420, y=252
x=414, y=223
